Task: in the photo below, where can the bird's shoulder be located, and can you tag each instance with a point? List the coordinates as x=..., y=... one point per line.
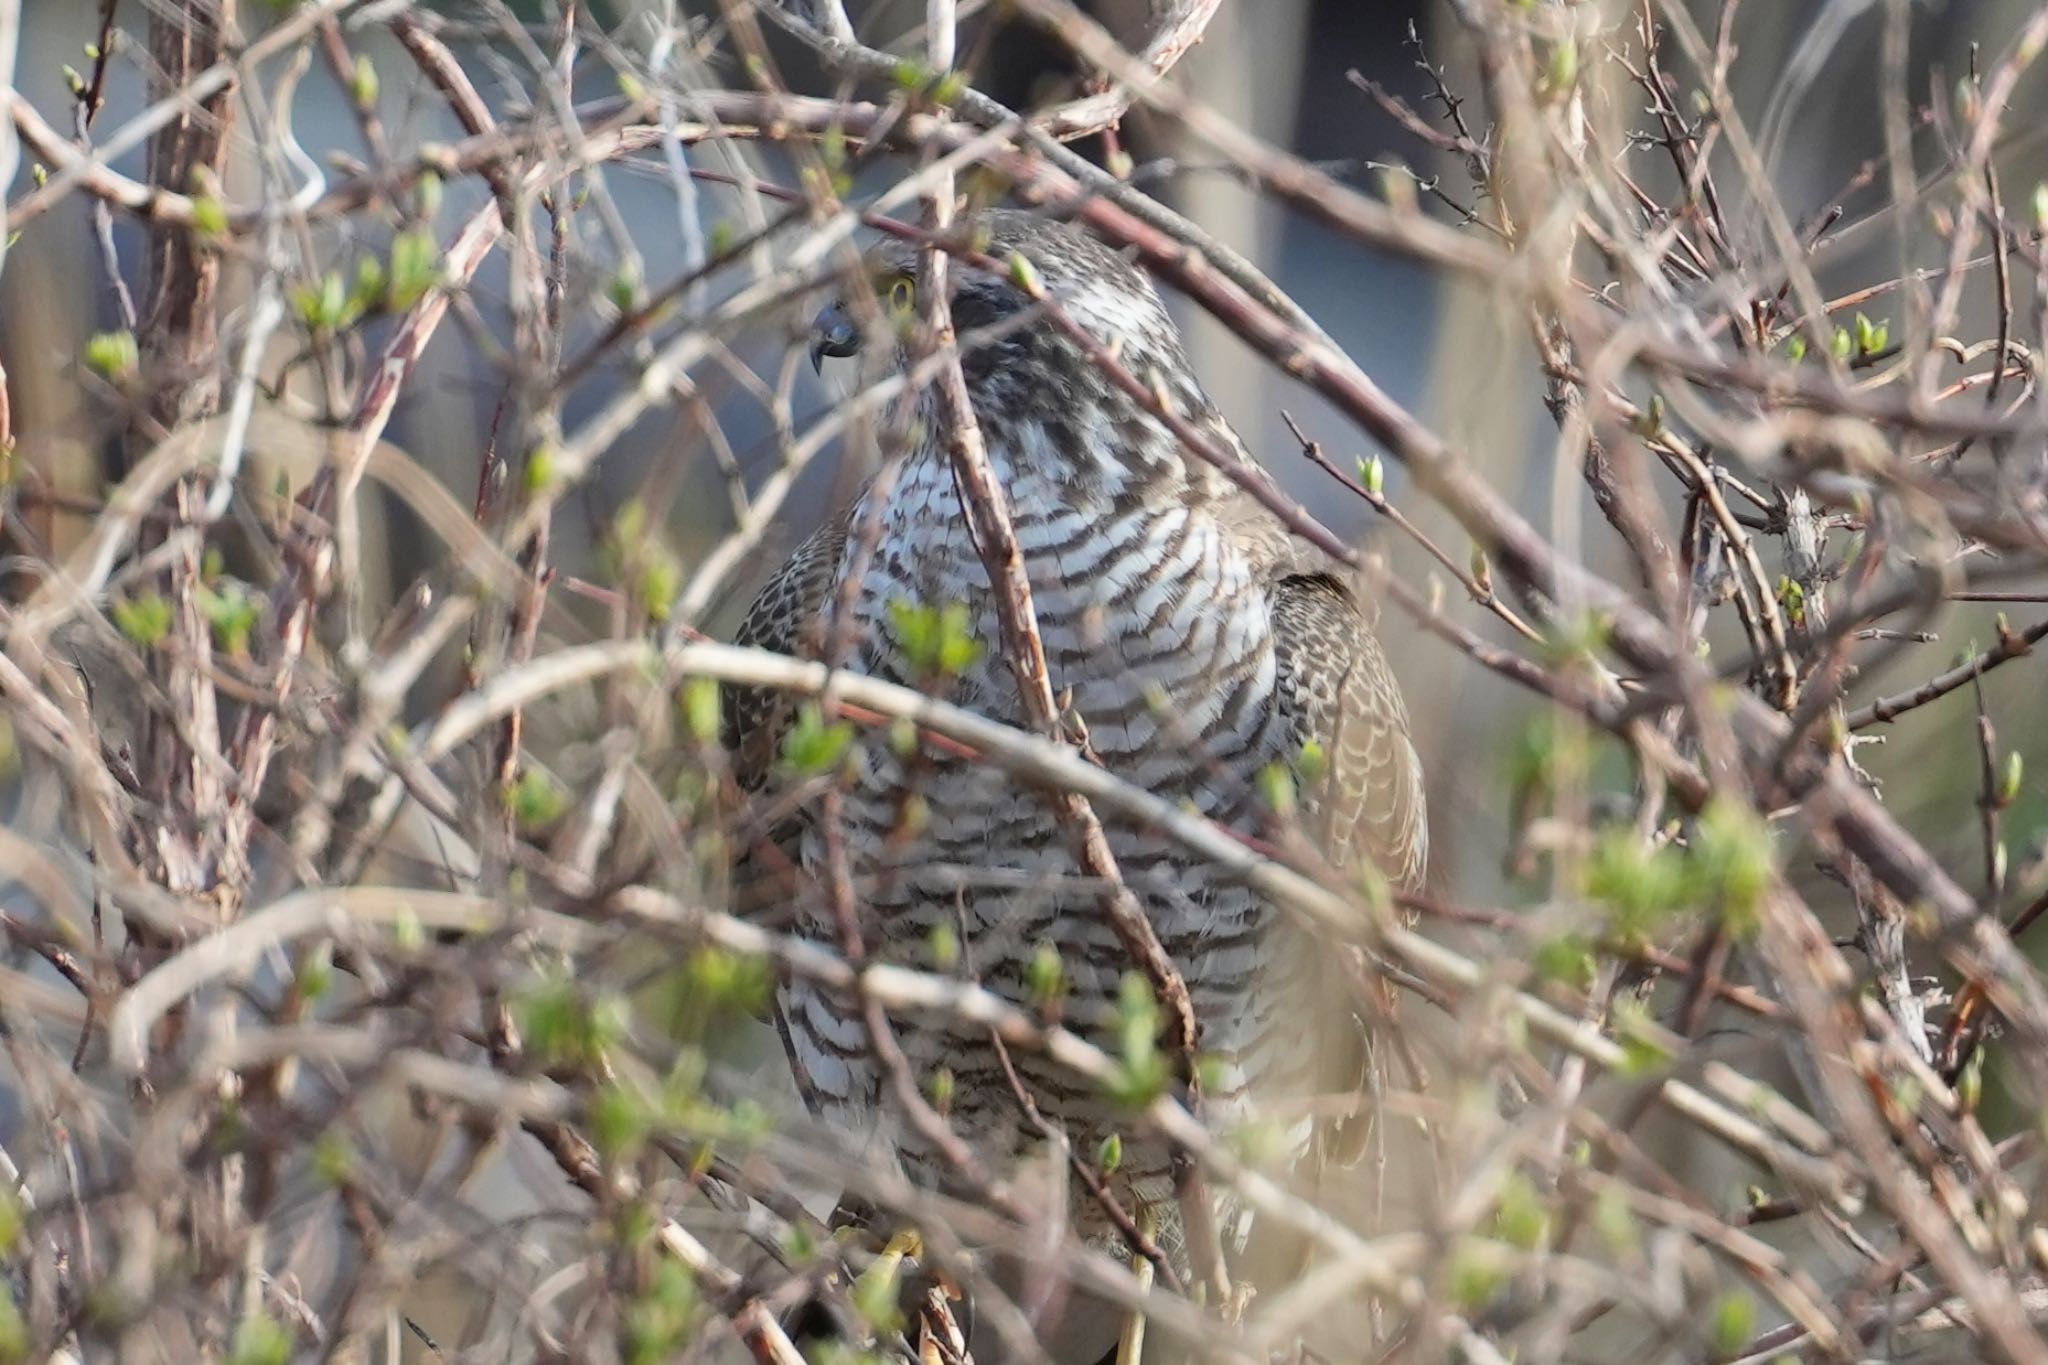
x=1364, y=795
x=786, y=616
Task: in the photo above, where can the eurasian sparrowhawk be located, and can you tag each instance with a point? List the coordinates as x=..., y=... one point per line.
x=1199, y=645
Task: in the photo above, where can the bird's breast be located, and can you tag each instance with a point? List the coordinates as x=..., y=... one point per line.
x=1159, y=640
x=1156, y=629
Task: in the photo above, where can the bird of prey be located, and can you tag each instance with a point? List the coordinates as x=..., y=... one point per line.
x=1200, y=646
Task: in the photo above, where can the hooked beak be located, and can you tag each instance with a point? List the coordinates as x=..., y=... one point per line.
x=833, y=333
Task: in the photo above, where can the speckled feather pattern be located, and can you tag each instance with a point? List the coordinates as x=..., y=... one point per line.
x=1199, y=645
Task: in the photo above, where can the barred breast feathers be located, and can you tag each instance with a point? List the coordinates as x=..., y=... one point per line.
x=1200, y=642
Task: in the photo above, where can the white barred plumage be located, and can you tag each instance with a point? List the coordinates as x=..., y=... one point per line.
x=1200, y=645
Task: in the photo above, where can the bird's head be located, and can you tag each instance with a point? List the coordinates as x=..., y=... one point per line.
x=1006, y=334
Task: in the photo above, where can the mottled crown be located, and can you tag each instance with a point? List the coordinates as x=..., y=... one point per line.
x=1056, y=332
x=1017, y=358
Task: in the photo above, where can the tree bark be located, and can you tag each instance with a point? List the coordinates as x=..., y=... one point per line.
x=180, y=341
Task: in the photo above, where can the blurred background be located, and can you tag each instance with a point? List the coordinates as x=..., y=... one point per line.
x=1803, y=76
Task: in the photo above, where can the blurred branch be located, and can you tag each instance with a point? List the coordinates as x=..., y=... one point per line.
x=329, y=910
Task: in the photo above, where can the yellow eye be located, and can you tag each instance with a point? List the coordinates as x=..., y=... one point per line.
x=902, y=294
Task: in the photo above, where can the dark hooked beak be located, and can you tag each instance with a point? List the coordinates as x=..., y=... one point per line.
x=833, y=333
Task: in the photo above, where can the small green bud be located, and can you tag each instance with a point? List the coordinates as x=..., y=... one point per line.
x=1792, y=597
x=701, y=709
x=914, y=816
x=619, y=1121
x=1143, y=1072
x=429, y=191
x=561, y=1026
x=362, y=86
x=1732, y=1323
x=1969, y=1084
x=1045, y=977
x=1731, y=862
x=1025, y=276
x=113, y=355
x=1276, y=788
x=535, y=800
x=1314, y=763
x=660, y=581
x=415, y=268
x=1110, y=1155
x=334, y=1160
x=873, y=1295
x=1474, y=1279
x=623, y=289
x=812, y=748
x=144, y=621
x=1520, y=1216
x=943, y=943
x=367, y=292
x=232, y=613
x=209, y=218
x=1563, y=68
x=540, y=470
x=661, y=1321
x=324, y=306
x=937, y=641
x=1372, y=473
x=261, y=1340
x=1566, y=958
x=314, y=975
x=1649, y=423
x=729, y=980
